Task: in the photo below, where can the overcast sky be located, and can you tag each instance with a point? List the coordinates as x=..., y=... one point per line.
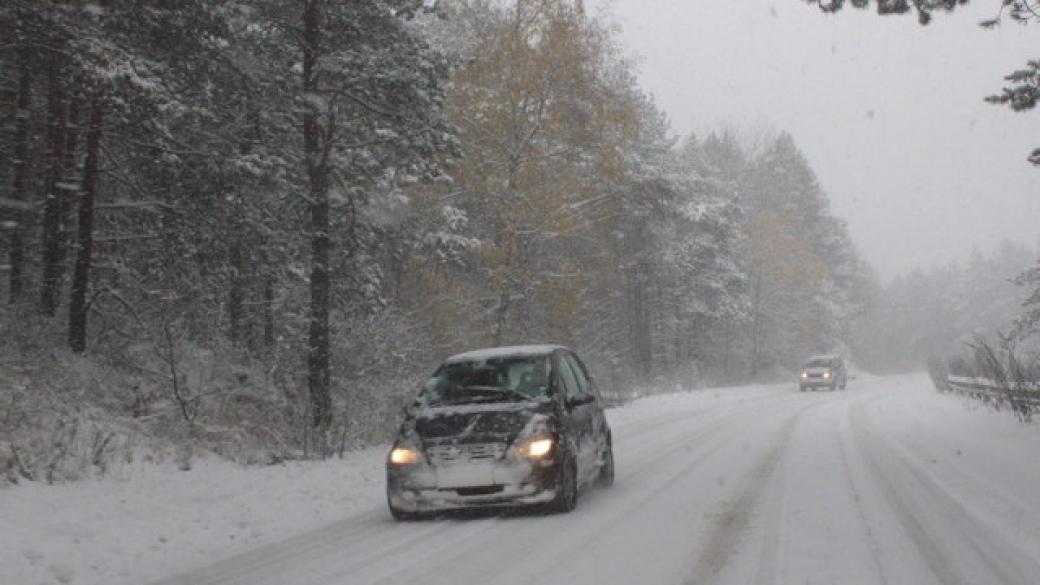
x=890, y=114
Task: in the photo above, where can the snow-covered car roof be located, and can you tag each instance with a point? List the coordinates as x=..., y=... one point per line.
x=824, y=356
x=501, y=352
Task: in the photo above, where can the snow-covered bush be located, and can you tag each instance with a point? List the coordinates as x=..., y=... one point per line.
x=66, y=416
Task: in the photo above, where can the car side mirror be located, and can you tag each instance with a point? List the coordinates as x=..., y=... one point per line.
x=579, y=400
x=408, y=410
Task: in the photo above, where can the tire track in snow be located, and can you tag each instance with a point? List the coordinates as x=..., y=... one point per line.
x=718, y=432
x=275, y=553
x=783, y=555
x=973, y=485
x=654, y=424
x=258, y=565
x=730, y=525
x=425, y=553
x=948, y=536
x=873, y=545
x=655, y=454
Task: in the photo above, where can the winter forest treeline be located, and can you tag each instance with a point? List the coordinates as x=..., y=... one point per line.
x=941, y=312
x=253, y=226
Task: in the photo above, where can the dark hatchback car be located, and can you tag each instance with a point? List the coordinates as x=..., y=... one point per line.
x=502, y=427
x=823, y=371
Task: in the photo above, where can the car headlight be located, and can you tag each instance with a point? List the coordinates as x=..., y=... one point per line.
x=826, y=375
x=536, y=448
x=805, y=375
x=405, y=455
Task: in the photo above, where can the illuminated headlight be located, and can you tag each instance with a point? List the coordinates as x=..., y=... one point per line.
x=826, y=375
x=535, y=448
x=805, y=375
x=405, y=455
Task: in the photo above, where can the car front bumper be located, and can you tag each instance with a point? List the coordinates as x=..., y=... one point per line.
x=503, y=484
x=817, y=382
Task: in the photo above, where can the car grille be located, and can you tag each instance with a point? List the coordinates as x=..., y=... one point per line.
x=474, y=452
x=479, y=491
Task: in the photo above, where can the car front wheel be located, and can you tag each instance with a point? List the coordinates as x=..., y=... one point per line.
x=566, y=489
x=606, y=470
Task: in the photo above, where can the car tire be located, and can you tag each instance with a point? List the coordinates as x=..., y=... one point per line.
x=801, y=388
x=606, y=471
x=566, y=489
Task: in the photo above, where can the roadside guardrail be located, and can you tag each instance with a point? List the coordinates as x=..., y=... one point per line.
x=1021, y=398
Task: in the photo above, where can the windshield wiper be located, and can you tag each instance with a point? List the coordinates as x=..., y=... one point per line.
x=498, y=391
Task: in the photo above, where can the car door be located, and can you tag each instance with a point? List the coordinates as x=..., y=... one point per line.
x=571, y=417
x=599, y=418
x=583, y=408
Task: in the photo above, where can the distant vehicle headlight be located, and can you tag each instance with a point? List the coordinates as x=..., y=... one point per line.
x=826, y=375
x=535, y=448
x=805, y=375
x=405, y=455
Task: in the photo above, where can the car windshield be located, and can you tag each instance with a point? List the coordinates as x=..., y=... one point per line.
x=821, y=363
x=515, y=378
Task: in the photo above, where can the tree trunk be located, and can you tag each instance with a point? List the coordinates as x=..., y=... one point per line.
x=85, y=240
x=316, y=149
x=15, y=219
x=501, y=312
x=642, y=329
x=236, y=293
x=238, y=320
x=268, y=310
x=756, y=325
x=69, y=195
x=52, y=205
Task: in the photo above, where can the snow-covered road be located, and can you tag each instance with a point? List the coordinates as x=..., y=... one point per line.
x=885, y=483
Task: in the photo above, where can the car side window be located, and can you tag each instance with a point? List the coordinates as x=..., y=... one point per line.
x=579, y=373
x=592, y=388
x=571, y=388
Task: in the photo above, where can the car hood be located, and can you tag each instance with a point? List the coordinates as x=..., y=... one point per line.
x=474, y=423
x=818, y=371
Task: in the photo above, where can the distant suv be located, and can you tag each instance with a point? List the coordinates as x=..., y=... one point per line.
x=823, y=371
x=501, y=427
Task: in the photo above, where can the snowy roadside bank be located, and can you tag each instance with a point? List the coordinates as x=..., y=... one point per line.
x=163, y=521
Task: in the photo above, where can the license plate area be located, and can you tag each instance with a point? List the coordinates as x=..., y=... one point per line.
x=465, y=475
